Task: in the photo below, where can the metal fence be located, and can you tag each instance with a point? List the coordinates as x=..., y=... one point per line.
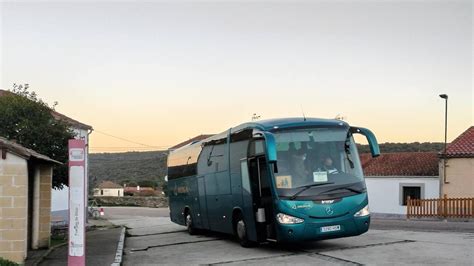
x=442, y=208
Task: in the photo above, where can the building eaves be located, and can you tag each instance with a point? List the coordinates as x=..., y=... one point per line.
x=10, y=146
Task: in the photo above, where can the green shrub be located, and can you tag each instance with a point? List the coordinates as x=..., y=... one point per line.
x=5, y=262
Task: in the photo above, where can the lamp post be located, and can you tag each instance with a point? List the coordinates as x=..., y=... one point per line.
x=445, y=97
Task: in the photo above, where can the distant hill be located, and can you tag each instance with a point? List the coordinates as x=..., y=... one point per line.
x=128, y=167
x=405, y=147
x=149, y=168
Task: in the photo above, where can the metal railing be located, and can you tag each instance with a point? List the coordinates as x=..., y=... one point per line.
x=441, y=208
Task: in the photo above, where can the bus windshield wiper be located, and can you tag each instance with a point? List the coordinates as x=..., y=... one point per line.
x=307, y=187
x=358, y=191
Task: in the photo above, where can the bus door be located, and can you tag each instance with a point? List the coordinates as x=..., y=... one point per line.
x=200, y=204
x=261, y=196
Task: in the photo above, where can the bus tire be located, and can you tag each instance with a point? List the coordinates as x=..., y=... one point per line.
x=188, y=220
x=241, y=232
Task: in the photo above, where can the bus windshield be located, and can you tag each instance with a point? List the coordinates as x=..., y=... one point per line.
x=312, y=157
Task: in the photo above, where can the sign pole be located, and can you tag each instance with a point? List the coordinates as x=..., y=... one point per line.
x=77, y=211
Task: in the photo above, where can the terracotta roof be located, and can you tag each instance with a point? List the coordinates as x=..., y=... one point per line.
x=401, y=164
x=462, y=146
x=56, y=115
x=13, y=147
x=108, y=184
x=134, y=189
x=192, y=140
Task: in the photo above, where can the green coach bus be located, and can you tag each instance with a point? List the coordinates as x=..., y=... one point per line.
x=280, y=180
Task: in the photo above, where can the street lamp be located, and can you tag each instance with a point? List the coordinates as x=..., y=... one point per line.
x=445, y=97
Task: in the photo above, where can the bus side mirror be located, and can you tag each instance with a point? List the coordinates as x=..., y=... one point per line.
x=373, y=144
x=270, y=145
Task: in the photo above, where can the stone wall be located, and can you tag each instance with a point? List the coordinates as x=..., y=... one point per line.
x=151, y=202
x=45, y=185
x=13, y=207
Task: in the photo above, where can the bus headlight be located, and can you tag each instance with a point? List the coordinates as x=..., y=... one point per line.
x=288, y=219
x=363, y=212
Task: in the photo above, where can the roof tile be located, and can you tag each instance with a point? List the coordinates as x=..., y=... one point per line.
x=109, y=184
x=462, y=146
x=401, y=164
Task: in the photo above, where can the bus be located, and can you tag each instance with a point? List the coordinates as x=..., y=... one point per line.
x=279, y=180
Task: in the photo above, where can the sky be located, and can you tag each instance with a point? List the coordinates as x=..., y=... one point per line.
x=157, y=73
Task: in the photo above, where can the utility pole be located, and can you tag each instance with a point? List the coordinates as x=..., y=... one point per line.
x=445, y=97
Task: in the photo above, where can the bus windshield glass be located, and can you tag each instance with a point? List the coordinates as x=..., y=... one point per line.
x=312, y=157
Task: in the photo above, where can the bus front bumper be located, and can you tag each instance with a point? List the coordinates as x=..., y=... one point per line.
x=319, y=229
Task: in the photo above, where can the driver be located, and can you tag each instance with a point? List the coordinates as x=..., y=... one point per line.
x=328, y=166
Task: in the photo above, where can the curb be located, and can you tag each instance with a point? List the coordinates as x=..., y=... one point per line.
x=40, y=259
x=119, y=253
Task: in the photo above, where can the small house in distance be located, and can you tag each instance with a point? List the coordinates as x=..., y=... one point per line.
x=459, y=158
x=25, y=202
x=108, y=189
x=141, y=191
x=392, y=177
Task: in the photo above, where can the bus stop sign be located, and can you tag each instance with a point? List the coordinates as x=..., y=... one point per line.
x=77, y=215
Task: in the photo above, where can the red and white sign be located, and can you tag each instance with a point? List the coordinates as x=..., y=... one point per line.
x=77, y=201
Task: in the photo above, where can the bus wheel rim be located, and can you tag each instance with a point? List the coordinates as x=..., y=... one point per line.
x=188, y=220
x=241, y=229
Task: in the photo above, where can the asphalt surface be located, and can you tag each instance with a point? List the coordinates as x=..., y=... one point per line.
x=101, y=246
x=153, y=239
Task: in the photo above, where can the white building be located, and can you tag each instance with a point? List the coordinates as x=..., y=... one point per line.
x=82, y=131
x=392, y=177
x=108, y=189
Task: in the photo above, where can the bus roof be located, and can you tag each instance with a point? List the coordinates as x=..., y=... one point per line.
x=281, y=123
x=272, y=124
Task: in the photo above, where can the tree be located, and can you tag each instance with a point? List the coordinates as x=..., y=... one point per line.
x=27, y=119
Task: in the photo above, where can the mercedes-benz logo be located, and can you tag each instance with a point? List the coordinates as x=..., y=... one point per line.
x=329, y=210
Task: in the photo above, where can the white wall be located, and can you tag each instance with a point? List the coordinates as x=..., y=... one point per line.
x=109, y=192
x=60, y=199
x=384, y=192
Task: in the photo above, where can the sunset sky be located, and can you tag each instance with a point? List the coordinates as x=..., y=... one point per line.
x=158, y=73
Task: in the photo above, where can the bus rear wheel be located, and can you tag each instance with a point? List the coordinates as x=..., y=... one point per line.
x=241, y=232
x=189, y=223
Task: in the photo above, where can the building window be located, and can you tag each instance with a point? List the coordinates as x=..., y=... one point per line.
x=118, y=191
x=102, y=192
x=414, y=191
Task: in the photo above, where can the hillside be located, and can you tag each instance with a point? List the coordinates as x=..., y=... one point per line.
x=128, y=167
x=405, y=147
x=143, y=167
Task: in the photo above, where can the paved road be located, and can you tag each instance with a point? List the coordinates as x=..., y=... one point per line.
x=153, y=239
x=101, y=247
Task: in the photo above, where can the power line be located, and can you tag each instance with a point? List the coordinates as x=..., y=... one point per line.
x=127, y=140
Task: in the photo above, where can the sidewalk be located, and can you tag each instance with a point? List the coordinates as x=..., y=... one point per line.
x=422, y=225
x=101, y=246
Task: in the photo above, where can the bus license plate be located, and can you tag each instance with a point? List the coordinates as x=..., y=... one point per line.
x=330, y=228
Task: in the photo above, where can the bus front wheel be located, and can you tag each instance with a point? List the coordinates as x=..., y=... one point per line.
x=189, y=223
x=241, y=232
